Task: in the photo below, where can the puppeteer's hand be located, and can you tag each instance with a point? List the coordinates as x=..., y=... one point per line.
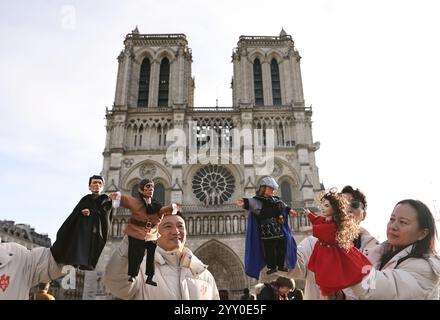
x=113, y=195
x=85, y=212
x=176, y=208
x=116, y=199
x=240, y=203
x=293, y=213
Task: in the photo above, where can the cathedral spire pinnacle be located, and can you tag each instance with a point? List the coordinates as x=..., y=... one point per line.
x=283, y=32
x=136, y=30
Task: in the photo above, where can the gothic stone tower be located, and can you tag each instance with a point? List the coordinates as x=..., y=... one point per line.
x=154, y=94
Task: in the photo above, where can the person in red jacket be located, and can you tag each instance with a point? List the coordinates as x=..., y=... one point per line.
x=336, y=262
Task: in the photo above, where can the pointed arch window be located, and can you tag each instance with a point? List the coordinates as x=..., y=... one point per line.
x=144, y=84
x=164, y=85
x=141, y=130
x=286, y=193
x=135, y=190
x=159, y=193
x=264, y=134
x=135, y=135
x=276, y=87
x=258, y=83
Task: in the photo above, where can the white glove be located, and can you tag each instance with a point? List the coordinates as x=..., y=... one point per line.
x=174, y=208
x=117, y=201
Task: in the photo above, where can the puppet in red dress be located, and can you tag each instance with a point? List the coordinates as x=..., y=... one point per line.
x=336, y=262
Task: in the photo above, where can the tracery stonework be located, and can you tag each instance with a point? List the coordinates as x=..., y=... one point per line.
x=213, y=184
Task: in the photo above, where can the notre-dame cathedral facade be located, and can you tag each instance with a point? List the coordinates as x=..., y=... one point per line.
x=154, y=130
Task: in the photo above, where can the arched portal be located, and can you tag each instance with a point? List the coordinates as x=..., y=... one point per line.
x=225, y=266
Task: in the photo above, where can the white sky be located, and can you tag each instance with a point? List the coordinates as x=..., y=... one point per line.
x=370, y=69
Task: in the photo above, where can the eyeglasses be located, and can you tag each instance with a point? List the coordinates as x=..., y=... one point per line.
x=356, y=205
x=149, y=186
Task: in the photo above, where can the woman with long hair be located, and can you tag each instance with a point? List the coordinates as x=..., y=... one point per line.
x=406, y=266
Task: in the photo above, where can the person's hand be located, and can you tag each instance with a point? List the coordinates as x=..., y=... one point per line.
x=85, y=212
x=293, y=213
x=113, y=195
x=240, y=203
x=176, y=208
x=328, y=218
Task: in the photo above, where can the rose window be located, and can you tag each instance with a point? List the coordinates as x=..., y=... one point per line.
x=213, y=184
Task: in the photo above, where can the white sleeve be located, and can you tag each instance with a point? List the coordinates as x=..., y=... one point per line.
x=349, y=294
x=117, y=201
x=174, y=208
x=115, y=275
x=43, y=266
x=215, y=294
x=303, y=253
x=414, y=281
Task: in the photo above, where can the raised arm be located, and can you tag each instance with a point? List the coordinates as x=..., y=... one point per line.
x=44, y=265
x=251, y=204
x=115, y=275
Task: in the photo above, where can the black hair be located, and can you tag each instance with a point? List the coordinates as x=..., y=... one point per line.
x=357, y=194
x=426, y=221
x=285, y=282
x=97, y=178
x=144, y=182
x=422, y=247
x=43, y=286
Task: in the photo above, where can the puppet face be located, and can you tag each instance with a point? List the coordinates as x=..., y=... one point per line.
x=172, y=233
x=96, y=186
x=148, y=190
x=268, y=191
x=326, y=208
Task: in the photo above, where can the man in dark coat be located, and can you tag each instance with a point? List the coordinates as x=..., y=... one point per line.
x=83, y=235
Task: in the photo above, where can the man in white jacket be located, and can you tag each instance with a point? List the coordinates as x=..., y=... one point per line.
x=364, y=243
x=179, y=274
x=21, y=269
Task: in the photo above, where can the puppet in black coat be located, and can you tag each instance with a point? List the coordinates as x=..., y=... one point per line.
x=83, y=235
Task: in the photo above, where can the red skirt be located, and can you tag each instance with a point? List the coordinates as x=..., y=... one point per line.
x=335, y=268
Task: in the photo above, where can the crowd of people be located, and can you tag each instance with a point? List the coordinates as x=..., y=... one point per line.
x=339, y=260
